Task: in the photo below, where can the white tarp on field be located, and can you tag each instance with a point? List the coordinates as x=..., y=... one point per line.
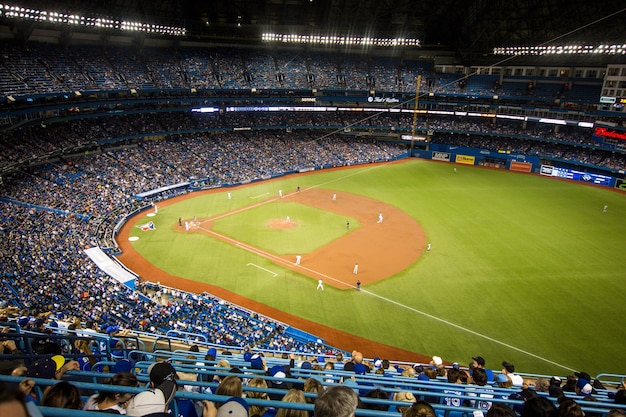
x=111, y=267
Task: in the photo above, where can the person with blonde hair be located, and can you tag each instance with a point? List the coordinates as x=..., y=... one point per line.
x=293, y=396
x=313, y=386
x=230, y=386
x=257, y=410
x=404, y=396
x=86, y=358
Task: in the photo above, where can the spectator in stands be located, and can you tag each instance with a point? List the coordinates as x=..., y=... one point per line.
x=583, y=384
x=500, y=410
x=524, y=395
x=454, y=377
x=111, y=400
x=377, y=394
x=159, y=374
x=616, y=412
x=420, y=409
x=480, y=379
x=436, y=363
x=155, y=400
x=209, y=358
x=258, y=410
x=293, y=396
x=52, y=367
x=404, y=396
x=509, y=370
x=539, y=407
x=570, y=408
x=479, y=362
x=336, y=401
x=230, y=386
x=570, y=384
x=278, y=374
x=554, y=387
x=540, y=384
x=503, y=381
x=312, y=386
x=329, y=366
x=620, y=396
x=13, y=367
x=86, y=359
x=233, y=407
x=12, y=402
x=62, y=395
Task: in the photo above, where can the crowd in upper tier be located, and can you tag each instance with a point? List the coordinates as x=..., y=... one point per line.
x=36, y=141
x=39, y=68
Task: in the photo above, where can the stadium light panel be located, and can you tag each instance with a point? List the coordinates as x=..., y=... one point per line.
x=614, y=49
x=78, y=20
x=340, y=40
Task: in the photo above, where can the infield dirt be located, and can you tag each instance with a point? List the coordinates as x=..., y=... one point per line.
x=380, y=249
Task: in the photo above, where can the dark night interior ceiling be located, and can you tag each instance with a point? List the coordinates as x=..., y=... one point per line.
x=470, y=28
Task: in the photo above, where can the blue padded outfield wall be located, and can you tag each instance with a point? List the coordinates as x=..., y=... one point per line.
x=513, y=162
x=482, y=157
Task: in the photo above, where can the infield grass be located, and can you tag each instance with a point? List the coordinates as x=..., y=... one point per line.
x=523, y=268
x=305, y=235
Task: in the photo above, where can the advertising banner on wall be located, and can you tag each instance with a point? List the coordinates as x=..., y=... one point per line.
x=441, y=156
x=520, y=166
x=465, y=159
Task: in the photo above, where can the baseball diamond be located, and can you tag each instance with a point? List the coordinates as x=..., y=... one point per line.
x=492, y=234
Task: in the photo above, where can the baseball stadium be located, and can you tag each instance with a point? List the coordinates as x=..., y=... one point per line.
x=420, y=202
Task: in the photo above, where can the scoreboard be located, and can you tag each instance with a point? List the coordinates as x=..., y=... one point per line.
x=574, y=175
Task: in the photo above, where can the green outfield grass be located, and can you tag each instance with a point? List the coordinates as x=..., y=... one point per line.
x=522, y=268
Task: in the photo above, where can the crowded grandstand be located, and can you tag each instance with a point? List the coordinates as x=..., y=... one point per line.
x=98, y=127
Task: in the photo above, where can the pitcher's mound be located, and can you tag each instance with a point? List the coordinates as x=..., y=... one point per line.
x=281, y=224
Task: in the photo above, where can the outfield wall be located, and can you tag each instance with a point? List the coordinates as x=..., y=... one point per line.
x=513, y=162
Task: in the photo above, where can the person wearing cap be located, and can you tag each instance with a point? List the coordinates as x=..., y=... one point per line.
x=52, y=368
x=509, y=370
x=554, y=389
x=503, y=381
x=404, y=396
x=154, y=400
x=479, y=362
x=583, y=384
x=279, y=373
x=160, y=373
x=233, y=407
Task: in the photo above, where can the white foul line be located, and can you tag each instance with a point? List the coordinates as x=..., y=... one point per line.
x=260, y=267
x=449, y=323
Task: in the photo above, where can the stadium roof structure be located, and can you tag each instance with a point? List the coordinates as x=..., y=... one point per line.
x=470, y=29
